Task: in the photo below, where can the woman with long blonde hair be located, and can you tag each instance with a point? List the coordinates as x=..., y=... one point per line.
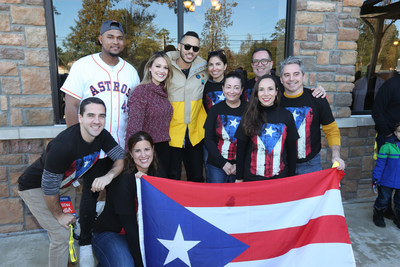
x=148, y=107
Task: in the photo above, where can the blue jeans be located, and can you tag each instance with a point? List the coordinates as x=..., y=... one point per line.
x=217, y=175
x=111, y=249
x=312, y=165
x=383, y=201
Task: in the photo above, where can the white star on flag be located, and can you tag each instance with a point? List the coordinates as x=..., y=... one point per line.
x=295, y=115
x=234, y=123
x=178, y=248
x=269, y=131
x=86, y=163
x=221, y=97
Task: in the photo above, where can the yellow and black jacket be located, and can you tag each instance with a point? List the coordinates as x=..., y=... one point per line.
x=185, y=96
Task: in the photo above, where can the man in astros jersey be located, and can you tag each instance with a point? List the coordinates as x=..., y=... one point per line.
x=107, y=76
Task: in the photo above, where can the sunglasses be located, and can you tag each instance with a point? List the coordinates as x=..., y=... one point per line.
x=188, y=46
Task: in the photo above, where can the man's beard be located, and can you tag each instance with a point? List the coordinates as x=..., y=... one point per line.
x=182, y=55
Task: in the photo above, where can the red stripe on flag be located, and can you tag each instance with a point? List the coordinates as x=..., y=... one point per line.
x=271, y=244
x=249, y=193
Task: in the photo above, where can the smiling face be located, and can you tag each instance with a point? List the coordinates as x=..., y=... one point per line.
x=112, y=42
x=159, y=70
x=142, y=154
x=267, y=92
x=188, y=56
x=232, y=90
x=292, y=79
x=262, y=63
x=92, y=121
x=216, y=68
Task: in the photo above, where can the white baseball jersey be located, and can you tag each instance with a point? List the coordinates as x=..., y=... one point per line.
x=91, y=76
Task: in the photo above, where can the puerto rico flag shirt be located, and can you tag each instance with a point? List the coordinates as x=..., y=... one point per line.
x=220, y=128
x=309, y=113
x=271, y=153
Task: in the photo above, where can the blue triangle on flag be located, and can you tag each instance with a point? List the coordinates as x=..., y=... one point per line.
x=216, y=96
x=161, y=218
x=230, y=124
x=299, y=114
x=271, y=132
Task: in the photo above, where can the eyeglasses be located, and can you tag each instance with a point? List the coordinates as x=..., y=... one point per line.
x=188, y=46
x=263, y=61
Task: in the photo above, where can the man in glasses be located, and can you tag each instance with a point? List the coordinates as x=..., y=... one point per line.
x=262, y=64
x=185, y=92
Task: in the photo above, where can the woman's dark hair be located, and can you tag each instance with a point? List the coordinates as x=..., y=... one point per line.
x=129, y=163
x=218, y=53
x=235, y=74
x=254, y=117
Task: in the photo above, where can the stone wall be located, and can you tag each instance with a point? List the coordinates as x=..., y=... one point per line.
x=15, y=156
x=357, y=150
x=25, y=93
x=25, y=100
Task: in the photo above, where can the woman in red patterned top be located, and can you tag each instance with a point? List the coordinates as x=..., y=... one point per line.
x=149, y=108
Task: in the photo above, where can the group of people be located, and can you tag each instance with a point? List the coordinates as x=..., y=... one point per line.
x=185, y=110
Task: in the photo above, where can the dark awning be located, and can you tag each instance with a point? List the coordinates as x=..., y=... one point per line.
x=377, y=9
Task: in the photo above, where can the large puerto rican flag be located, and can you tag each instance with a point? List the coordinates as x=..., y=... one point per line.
x=303, y=117
x=296, y=221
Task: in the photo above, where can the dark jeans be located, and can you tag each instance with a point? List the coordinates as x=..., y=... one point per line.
x=87, y=208
x=217, y=175
x=111, y=249
x=192, y=157
x=383, y=201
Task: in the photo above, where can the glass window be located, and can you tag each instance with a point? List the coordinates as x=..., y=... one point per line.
x=236, y=26
x=378, y=52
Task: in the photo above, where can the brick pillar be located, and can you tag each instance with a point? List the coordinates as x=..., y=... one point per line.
x=325, y=37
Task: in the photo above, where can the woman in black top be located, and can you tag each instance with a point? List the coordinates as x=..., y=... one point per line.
x=266, y=136
x=216, y=65
x=220, y=128
x=115, y=238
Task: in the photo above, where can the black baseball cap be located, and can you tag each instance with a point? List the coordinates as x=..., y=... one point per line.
x=111, y=25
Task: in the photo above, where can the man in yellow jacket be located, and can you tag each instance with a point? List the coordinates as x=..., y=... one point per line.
x=185, y=92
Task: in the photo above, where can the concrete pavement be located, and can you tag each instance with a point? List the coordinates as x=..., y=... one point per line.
x=373, y=246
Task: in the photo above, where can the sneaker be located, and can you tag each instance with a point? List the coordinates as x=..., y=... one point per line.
x=86, y=258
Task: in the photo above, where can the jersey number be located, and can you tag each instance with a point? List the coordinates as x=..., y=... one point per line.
x=125, y=107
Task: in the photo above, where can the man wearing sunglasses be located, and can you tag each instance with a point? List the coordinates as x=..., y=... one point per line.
x=185, y=92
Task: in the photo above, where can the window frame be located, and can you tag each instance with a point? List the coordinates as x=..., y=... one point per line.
x=52, y=46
